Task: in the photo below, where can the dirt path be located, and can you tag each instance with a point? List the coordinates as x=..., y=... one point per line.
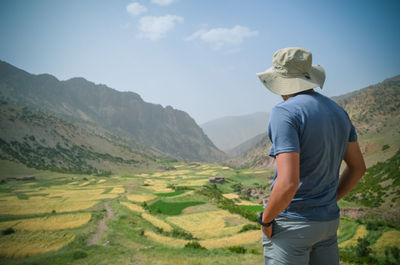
x=102, y=225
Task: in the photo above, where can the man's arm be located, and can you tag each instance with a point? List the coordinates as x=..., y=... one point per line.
x=353, y=172
x=285, y=187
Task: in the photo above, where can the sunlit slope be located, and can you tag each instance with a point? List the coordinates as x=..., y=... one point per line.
x=43, y=141
x=147, y=127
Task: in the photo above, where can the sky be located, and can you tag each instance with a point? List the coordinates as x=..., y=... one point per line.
x=201, y=56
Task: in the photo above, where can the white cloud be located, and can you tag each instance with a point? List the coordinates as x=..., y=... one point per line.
x=223, y=37
x=155, y=28
x=136, y=9
x=162, y=2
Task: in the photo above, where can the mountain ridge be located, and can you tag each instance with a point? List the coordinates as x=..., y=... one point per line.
x=123, y=114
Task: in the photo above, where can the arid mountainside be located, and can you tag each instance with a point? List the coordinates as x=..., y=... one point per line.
x=375, y=112
x=42, y=141
x=146, y=127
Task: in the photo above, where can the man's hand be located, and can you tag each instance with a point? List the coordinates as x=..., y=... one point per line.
x=267, y=230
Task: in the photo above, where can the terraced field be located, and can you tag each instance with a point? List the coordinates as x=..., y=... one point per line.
x=157, y=214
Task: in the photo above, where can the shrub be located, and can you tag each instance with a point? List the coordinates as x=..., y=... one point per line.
x=181, y=234
x=249, y=227
x=8, y=231
x=79, y=254
x=384, y=147
x=194, y=245
x=362, y=248
x=237, y=249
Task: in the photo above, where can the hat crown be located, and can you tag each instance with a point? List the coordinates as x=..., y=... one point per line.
x=292, y=61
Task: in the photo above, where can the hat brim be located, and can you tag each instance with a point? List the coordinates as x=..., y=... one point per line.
x=283, y=85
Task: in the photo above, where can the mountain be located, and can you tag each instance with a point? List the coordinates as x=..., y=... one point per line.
x=228, y=132
x=247, y=145
x=374, y=111
x=146, y=127
x=43, y=141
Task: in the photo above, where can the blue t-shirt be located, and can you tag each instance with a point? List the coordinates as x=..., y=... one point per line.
x=320, y=130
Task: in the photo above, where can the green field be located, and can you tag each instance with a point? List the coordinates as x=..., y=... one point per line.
x=152, y=218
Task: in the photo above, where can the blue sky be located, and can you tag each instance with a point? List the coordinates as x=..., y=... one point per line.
x=201, y=56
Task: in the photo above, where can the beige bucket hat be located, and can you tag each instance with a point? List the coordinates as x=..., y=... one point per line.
x=292, y=72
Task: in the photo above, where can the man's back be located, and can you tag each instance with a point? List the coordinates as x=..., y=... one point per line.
x=319, y=129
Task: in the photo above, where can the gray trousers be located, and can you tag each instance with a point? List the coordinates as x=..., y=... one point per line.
x=301, y=243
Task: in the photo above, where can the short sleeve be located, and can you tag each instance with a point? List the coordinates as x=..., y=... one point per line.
x=283, y=132
x=353, y=134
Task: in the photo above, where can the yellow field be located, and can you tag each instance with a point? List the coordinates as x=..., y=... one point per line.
x=59, y=200
x=198, y=208
x=28, y=244
x=133, y=207
x=203, y=221
x=170, y=241
x=207, y=173
x=231, y=196
x=157, y=222
x=215, y=233
x=39, y=204
x=84, y=183
x=197, y=182
x=57, y=222
x=117, y=190
x=101, y=181
x=245, y=202
x=140, y=197
x=239, y=239
x=390, y=238
x=360, y=233
x=157, y=185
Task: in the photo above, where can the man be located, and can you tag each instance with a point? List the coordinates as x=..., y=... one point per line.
x=311, y=135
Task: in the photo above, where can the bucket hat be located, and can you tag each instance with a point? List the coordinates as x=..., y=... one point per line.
x=292, y=72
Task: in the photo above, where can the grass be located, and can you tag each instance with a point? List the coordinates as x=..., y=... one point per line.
x=253, y=208
x=361, y=232
x=347, y=229
x=171, y=208
x=170, y=194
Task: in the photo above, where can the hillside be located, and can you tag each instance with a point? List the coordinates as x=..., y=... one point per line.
x=374, y=111
x=98, y=108
x=247, y=145
x=229, y=132
x=42, y=141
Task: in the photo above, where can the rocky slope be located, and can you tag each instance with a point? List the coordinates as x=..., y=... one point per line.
x=42, y=141
x=143, y=126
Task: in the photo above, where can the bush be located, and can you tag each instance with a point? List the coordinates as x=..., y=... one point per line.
x=249, y=227
x=237, y=249
x=181, y=234
x=79, y=254
x=194, y=245
x=8, y=231
x=384, y=147
x=362, y=248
